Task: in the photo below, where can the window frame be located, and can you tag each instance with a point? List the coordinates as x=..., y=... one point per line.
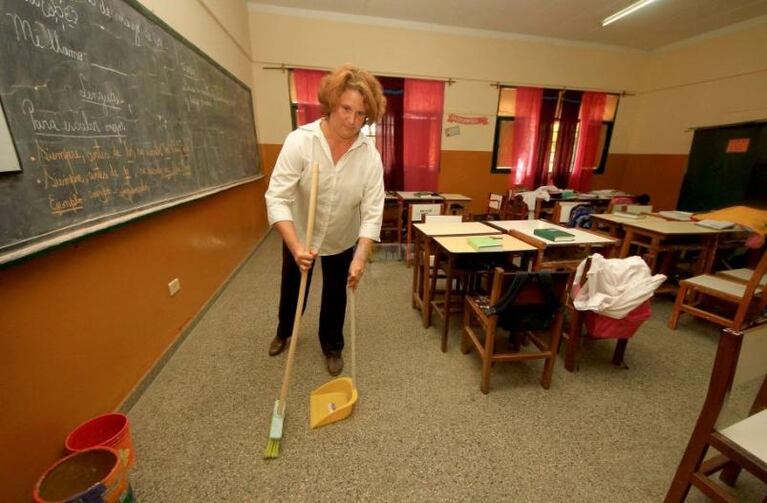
x=494, y=162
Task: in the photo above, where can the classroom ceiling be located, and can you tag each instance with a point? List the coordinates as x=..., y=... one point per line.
x=659, y=24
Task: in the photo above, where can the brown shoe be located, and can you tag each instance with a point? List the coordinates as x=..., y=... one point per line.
x=335, y=364
x=278, y=345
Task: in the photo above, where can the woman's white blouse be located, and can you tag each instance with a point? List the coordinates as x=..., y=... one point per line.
x=350, y=198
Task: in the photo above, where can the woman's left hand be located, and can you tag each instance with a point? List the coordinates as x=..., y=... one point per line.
x=356, y=270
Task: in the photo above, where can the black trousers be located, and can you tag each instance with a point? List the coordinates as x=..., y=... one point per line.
x=335, y=270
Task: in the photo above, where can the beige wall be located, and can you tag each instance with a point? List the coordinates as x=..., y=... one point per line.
x=83, y=323
x=474, y=61
x=716, y=80
x=721, y=79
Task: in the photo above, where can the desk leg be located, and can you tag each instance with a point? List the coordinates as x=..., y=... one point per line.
x=427, y=280
x=416, y=297
x=573, y=338
x=538, y=263
x=652, y=254
x=446, y=307
x=711, y=243
x=626, y=247
x=401, y=213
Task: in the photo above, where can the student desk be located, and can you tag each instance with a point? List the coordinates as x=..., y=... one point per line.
x=671, y=236
x=455, y=200
x=405, y=199
x=454, y=246
x=545, y=208
x=614, y=222
x=423, y=234
x=553, y=255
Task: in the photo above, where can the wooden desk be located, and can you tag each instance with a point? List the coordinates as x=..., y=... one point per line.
x=405, y=199
x=544, y=208
x=614, y=222
x=453, y=246
x=672, y=237
x=423, y=233
x=455, y=199
x=523, y=229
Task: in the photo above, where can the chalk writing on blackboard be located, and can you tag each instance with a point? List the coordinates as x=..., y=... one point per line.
x=112, y=115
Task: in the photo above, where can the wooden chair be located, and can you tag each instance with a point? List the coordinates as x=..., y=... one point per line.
x=495, y=205
x=563, y=209
x=745, y=299
x=480, y=324
x=416, y=214
x=740, y=357
x=516, y=209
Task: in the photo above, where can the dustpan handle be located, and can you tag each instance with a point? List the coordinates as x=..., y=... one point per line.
x=302, y=288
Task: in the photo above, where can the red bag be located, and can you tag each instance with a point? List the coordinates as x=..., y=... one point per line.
x=604, y=327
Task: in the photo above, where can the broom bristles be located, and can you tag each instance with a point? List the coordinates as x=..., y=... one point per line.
x=272, y=449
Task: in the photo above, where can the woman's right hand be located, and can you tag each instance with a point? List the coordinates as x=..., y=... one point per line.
x=304, y=258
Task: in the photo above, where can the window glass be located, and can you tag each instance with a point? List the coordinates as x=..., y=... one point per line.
x=506, y=102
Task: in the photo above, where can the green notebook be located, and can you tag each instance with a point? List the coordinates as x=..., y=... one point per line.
x=485, y=243
x=554, y=235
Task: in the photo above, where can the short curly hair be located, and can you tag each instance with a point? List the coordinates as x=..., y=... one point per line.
x=346, y=77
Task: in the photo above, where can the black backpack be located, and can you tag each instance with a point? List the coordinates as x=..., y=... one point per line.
x=519, y=318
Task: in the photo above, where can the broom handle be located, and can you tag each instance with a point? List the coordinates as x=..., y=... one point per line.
x=354, y=338
x=301, y=289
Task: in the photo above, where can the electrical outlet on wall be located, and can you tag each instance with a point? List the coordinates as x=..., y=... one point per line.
x=174, y=286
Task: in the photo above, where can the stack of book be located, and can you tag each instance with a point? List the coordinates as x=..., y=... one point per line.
x=625, y=214
x=676, y=215
x=716, y=224
x=486, y=243
x=555, y=235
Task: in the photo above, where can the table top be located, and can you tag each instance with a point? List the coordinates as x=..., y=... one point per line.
x=527, y=227
x=454, y=197
x=460, y=244
x=455, y=229
x=418, y=196
x=618, y=219
x=669, y=227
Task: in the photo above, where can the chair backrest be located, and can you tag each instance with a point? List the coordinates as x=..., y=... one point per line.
x=527, y=301
x=418, y=211
x=740, y=357
x=632, y=208
x=516, y=208
x=495, y=202
x=751, y=288
x=443, y=219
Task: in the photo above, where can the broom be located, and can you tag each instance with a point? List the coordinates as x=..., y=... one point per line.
x=278, y=414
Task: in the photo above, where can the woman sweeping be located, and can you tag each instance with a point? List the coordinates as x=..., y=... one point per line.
x=349, y=203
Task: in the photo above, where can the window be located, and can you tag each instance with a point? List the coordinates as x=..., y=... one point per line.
x=558, y=130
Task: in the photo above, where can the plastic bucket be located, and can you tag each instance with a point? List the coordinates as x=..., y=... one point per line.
x=94, y=475
x=110, y=430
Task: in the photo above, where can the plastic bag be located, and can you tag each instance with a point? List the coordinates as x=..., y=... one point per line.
x=604, y=327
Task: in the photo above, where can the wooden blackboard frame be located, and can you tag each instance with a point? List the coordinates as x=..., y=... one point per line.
x=35, y=244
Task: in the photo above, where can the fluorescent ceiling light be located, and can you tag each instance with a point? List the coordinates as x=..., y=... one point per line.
x=625, y=12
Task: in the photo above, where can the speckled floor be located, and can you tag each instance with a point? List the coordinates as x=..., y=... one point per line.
x=422, y=430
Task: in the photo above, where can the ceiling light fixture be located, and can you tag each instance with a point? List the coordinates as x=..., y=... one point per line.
x=625, y=12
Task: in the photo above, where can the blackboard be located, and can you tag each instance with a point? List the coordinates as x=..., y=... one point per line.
x=112, y=115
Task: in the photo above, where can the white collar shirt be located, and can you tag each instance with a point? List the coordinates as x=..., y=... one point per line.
x=350, y=198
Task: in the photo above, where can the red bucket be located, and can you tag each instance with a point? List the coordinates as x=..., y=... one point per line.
x=110, y=430
x=95, y=475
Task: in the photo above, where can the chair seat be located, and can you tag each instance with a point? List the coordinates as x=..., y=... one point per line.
x=750, y=434
x=741, y=275
x=722, y=285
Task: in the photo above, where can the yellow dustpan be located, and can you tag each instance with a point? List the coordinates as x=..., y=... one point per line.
x=334, y=401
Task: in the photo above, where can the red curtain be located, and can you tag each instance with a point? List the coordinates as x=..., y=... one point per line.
x=568, y=125
x=306, y=83
x=525, y=142
x=389, y=133
x=586, y=155
x=548, y=117
x=423, y=104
